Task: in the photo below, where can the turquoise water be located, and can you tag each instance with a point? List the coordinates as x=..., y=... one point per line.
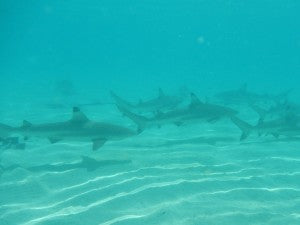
x=56, y=55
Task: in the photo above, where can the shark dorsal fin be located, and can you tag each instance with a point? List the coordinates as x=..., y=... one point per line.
x=244, y=87
x=195, y=100
x=206, y=100
x=26, y=124
x=159, y=113
x=260, y=121
x=160, y=93
x=78, y=116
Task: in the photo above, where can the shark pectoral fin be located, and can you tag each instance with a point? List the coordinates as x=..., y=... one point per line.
x=54, y=140
x=275, y=135
x=98, y=143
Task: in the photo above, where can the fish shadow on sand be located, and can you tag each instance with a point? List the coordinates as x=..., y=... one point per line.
x=212, y=141
x=199, y=140
x=11, y=143
x=87, y=163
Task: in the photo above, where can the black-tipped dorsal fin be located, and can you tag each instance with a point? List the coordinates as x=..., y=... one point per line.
x=260, y=122
x=159, y=113
x=195, y=100
x=78, y=116
x=244, y=87
x=26, y=124
x=160, y=93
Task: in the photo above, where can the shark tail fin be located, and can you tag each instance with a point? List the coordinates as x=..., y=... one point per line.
x=244, y=88
x=119, y=101
x=141, y=121
x=161, y=94
x=260, y=111
x=245, y=127
x=284, y=96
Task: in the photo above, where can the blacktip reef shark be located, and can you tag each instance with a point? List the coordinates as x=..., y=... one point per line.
x=279, y=110
x=78, y=128
x=162, y=102
x=5, y=131
x=196, y=111
x=244, y=96
x=286, y=126
x=8, y=142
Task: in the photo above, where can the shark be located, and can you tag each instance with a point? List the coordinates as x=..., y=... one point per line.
x=195, y=111
x=5, y=131
x=7, y=141
x=78, y=128
x=161, y=102
x=287, y=126
x=244, y=96
x=279, y=110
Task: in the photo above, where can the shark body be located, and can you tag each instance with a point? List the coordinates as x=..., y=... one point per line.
x=196, y=111
x=163, y=102
x=79, y=128
x=287, y=126
x=244, y=96
x=5, y=131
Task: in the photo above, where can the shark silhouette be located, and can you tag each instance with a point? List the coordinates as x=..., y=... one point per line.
x=196, y=111
x=78, y=128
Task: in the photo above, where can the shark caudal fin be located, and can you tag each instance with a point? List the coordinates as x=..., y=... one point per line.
x=260, y=111
x=283, y=97
x=161, y=94
x=140, y=121
x=119, y=101
x=245, y=127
